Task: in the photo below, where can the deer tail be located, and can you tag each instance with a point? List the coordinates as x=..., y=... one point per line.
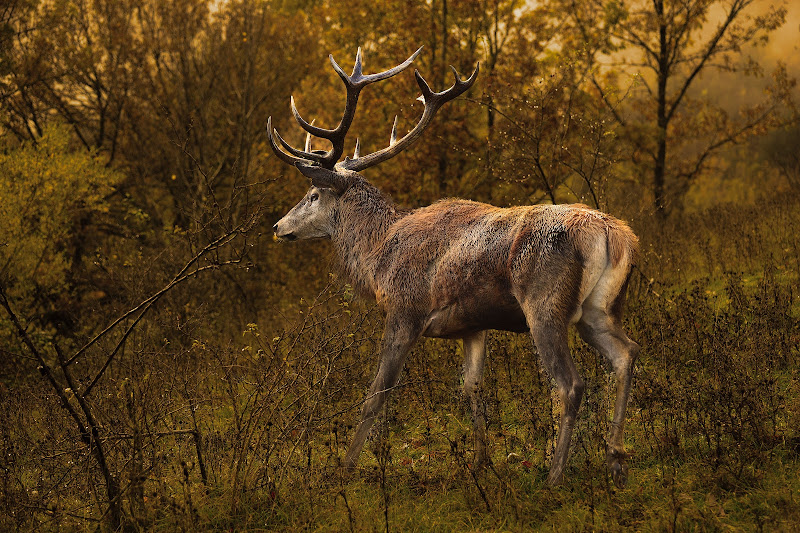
x=623, y=244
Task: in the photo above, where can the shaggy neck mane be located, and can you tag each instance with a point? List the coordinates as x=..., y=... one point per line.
x=363, y=217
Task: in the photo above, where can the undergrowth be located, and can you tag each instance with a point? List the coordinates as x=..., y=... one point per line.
x=247, y=434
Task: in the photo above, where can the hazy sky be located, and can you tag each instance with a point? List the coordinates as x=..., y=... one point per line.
x=784, y=45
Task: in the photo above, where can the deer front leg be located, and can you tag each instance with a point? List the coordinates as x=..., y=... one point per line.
x=474, y=357
x=398, y=338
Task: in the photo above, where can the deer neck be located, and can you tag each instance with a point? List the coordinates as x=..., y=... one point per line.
x=364, y=217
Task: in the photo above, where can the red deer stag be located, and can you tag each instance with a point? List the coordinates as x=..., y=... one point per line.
x=458, y=268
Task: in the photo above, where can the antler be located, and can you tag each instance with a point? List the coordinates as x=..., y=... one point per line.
x=353, y=84
x=433, y=101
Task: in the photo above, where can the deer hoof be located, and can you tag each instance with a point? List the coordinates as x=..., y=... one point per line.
x=555, y=480
x=618, y=468
x=480, y=462
x=348, y=466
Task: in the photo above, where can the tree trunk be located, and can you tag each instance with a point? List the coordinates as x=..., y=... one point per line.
x=659, y=169
x=443, y=153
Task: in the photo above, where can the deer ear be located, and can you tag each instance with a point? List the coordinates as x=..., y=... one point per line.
x=324, y=178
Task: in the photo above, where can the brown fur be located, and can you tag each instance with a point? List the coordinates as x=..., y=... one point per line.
x=456, y=251
x=585, y=223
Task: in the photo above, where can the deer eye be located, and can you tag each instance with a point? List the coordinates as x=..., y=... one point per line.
x=313, y=197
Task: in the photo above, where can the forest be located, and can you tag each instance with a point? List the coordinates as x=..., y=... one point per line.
x=166, y=365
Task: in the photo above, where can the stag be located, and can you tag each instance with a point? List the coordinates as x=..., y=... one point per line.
x=458, y=268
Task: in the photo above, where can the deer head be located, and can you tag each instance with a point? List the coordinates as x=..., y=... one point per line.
x=314, y=215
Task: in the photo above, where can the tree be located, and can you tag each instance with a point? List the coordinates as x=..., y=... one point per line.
x=53, y=199
x=46, y=190
x=53, y=196
x=672, y=43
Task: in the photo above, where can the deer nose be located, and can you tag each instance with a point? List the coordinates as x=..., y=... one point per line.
x=275, y=228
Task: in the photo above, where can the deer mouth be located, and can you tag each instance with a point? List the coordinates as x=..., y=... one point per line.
x=287, y=237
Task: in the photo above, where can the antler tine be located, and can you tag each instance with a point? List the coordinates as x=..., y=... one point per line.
x=309, y=127
x=357, y=151
x=357, y=67
x=307, y=147
x=433, y=101
x=370, y=78
x=357, y=80
x=459, y=86
x=296, y=155
x=393, y=137
x=283, y=156
x=301, y=154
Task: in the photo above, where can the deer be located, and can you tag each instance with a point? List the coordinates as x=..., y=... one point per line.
x=458, y=268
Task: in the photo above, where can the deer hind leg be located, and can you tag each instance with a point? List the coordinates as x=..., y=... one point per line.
x=398, y=338
x=550, y=338
x=551, y=342
x=474, y=357
x=601, y=327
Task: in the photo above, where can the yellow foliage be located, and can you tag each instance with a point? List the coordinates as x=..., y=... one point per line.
x=47, y=189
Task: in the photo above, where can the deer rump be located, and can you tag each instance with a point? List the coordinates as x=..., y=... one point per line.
x=471, y=264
